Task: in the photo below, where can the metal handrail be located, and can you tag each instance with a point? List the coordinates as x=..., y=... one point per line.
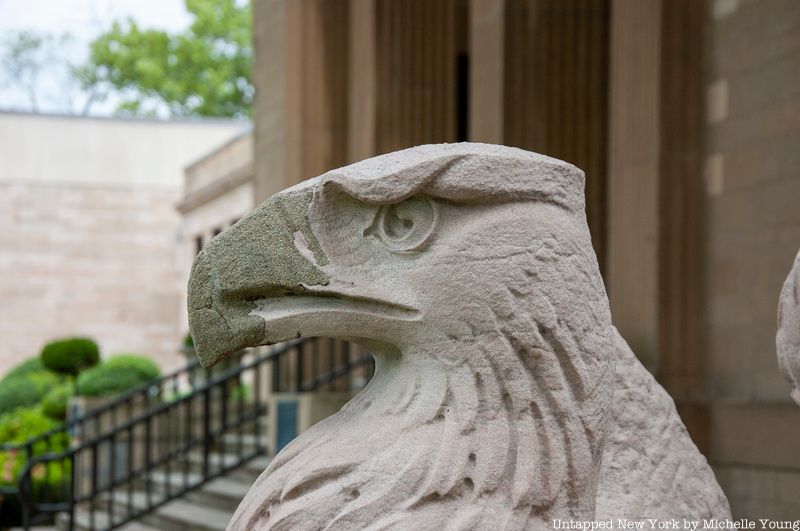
x=102, y=464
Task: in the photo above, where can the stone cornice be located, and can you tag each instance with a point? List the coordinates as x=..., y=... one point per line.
x=211, y=191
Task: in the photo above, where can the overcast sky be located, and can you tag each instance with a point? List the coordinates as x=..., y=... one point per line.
x=83, y=20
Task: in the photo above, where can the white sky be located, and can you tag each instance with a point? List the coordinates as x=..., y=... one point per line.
x=83, y=20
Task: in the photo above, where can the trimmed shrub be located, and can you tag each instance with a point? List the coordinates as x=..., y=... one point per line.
x=116, y=375
x=54, y=403
x=70, y=355
x=25, y=390
x=27, y=366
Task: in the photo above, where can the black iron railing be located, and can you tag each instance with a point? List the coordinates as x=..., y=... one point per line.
x=50, y=481
x=167, y=438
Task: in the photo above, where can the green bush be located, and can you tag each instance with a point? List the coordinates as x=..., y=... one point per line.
x=70, y=355
x=21, y=425
x=188, y=342
x=25, y=390
x=241, y=392
x=48, y=479
x=54, y=403
x=27, y=366
x=118, y=374
x=24, y=423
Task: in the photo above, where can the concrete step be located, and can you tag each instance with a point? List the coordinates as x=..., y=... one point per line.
x=191, y=465
x=216, y=459
x=137, y=526
x=222, y=493
x=183, y=515
x=249, y=441
x=101, y=521
x=251, y=470
x=204, y=508
x=178, y=477
x=245, y=474
x=177, y=515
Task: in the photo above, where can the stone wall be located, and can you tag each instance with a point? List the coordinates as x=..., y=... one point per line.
x=753, y=234
x=90, y=231
x=91, y=261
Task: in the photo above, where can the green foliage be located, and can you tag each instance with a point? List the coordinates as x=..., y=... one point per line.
x=188, y=342
x=19, y=426
x=241, y=392
x=118, y=374
x=27, y=366
x=70, y=355
x=54, y=403
x=17, y=392
x=25, y=390
x=24, y=423
x=201, y=71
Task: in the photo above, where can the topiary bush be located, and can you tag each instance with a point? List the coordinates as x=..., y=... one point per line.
x=70, y=355
x=27, y=366
x=54, y=403
x=117, y=374
x=25, y=390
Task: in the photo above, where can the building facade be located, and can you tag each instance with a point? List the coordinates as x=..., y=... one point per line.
x=684, y=115
x=92, y=230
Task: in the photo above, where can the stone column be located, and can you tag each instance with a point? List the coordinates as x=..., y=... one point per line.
x=633, y=170
x=655, y=222
x=302, y=99
x=487, y=70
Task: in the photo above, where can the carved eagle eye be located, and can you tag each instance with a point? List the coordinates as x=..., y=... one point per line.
x=406, y=226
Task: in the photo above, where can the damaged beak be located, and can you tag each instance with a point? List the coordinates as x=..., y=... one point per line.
x=255, y=258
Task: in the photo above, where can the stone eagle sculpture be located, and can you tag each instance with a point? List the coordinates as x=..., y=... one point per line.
x=788, y=337
x=503, y=397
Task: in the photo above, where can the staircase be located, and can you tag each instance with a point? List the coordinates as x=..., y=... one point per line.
x=179, y=453
x=206, y=508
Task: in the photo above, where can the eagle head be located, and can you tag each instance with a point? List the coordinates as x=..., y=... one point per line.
x=468, y=270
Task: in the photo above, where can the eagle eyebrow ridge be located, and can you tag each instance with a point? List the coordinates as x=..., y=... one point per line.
x=467, y=175
x=344, y=183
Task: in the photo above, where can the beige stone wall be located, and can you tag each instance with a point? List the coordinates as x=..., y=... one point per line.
x=91, y=261
x=90, y=231
x=103, y=151
x=753, y=216
x=228, y=158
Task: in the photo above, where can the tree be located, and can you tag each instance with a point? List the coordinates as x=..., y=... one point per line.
x=23, y=63
x=201, y=71
x=35, y=66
